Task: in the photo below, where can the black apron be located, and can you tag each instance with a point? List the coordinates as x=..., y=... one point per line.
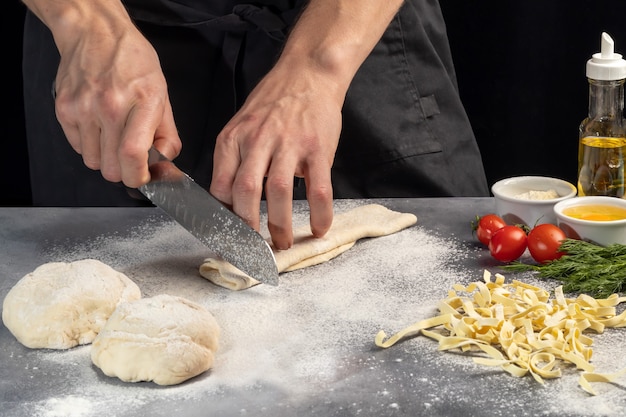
x=405, y=132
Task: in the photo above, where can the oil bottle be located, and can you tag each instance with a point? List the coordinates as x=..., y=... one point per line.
x=602, y=135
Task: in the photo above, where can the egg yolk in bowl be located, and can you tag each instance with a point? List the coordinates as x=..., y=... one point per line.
x=596, y=212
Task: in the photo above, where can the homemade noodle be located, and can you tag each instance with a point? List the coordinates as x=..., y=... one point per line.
x=520, y=328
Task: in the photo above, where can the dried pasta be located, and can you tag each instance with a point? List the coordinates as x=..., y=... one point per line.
x=520, y=328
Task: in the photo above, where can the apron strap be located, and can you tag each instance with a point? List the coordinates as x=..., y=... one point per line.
x=244, y=18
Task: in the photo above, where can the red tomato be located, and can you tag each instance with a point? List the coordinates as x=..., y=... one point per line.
x=544, y=241
x=486, y=226
x=508, y=243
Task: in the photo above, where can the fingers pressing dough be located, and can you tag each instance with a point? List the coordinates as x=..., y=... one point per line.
x=372, y=220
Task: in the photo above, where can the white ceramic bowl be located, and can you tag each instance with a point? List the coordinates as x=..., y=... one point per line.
x=601, y=232
x=514, y=203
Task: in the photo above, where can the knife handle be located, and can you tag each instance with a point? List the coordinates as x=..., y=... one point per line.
x=161, y=168
x=155, y=156
x=156, y=172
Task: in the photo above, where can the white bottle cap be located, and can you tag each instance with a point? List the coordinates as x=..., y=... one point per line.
x=606, y=65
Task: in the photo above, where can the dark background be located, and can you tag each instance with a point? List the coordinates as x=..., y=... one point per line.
x=520, y=67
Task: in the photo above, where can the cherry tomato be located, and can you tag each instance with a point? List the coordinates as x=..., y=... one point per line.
x=544, y=241
x=508, y=243
x=486, y=226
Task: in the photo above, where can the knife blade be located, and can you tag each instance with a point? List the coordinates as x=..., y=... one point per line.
x=218, y=228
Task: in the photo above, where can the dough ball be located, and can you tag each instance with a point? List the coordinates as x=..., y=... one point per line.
x=60, y=305
x=165, y=339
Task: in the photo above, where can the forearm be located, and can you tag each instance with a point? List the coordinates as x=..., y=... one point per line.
x=334, y=37
x=66, y=19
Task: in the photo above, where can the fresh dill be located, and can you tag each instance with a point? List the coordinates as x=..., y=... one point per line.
x=598, y=271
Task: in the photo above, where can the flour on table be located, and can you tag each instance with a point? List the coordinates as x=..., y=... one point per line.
x=282, y=349
x=164, y=339
x=60, y=305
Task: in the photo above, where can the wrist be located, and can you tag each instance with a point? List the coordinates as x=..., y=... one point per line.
x=323, y=68
x=67, y=19
x=332, y=38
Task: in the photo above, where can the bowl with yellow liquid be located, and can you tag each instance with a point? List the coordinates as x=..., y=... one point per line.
x=597, y=219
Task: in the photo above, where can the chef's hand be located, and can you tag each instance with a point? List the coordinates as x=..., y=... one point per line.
x=111, y=95
x=289, y=126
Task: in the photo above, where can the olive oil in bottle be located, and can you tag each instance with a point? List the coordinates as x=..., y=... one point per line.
x=602, y=135
x=602, y=166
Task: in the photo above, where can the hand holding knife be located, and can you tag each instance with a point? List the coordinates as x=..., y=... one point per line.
x=222, y=231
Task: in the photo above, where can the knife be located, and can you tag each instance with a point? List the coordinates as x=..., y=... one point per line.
x=222, y=231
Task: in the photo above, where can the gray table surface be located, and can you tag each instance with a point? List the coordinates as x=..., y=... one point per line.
x=282, y=377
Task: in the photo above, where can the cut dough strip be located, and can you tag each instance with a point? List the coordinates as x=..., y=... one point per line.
x=372, y=220
x=587, y=377
x=519, y=328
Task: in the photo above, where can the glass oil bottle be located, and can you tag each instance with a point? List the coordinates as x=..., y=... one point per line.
x=602, y=135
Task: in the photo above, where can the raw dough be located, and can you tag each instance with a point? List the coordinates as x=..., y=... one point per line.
x=165, y=339
x=60, y=305
x=372, y=220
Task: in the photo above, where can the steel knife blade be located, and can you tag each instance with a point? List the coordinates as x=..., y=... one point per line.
x=218, y=228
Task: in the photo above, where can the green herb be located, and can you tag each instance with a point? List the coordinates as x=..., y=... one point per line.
x=586, y=268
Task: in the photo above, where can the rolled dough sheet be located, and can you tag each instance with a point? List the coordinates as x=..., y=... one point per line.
x=371, y=220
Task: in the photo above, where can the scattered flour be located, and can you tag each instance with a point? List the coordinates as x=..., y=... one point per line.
x=69, y=406
x=282, y=346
